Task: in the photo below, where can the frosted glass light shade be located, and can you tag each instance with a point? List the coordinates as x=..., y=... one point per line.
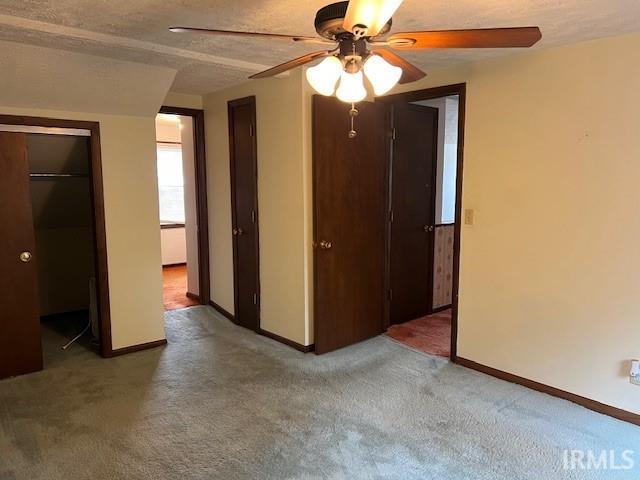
x=382, y=75
x=351, y=88
x=323, y=77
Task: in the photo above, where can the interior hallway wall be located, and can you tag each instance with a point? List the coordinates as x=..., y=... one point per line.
x=281, y=215
x=190, y=208
x=550, y=271
x=173, y=242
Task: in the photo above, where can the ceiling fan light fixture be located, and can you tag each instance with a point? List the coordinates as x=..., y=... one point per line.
x=351, y=88
x=382, y=75
x=324, y=76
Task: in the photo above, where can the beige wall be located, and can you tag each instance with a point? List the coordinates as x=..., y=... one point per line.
x=190, y=206
x=183, y=100
x=39, y=85
x=281, y=177
x=173, y=245
x=550, y=272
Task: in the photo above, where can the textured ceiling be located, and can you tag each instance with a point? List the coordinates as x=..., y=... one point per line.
x=137, y=30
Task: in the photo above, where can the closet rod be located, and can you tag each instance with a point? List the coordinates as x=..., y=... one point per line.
x=58, y=175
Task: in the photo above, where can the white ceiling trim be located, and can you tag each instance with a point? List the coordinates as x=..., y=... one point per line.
x=125, y=42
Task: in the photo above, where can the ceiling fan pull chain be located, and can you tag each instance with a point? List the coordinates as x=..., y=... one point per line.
x=353, y=113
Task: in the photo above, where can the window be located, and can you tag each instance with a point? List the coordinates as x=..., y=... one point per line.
x=170, y=184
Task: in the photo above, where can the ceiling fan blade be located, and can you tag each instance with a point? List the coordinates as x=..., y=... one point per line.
x=309, y=57
x=410, y=73
x=372, y=14
x=233, y=33
x=474, y=38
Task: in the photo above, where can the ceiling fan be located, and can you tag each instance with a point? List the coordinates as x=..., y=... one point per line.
x=356, y=33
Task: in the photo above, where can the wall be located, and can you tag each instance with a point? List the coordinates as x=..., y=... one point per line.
x=282, y=221
x=183, y=100
x=447, y=157
x=447, y=181
x=173, y=246
x=190, y=210
x=441, y=105
x=550, y=270
x=123, y=97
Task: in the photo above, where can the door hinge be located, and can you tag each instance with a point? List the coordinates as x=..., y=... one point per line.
x=255, y=299
x=390, y=216
x=392, y=133
x=253, y=216
x=252, y=130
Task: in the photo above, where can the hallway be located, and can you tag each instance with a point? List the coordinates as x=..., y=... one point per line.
x=174, y=288
x=430, y=334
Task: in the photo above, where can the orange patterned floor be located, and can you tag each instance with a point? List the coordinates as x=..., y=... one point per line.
x=175, y=288
x=430, y=334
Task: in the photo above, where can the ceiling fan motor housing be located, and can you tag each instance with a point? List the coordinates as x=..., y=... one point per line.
x=329, y=22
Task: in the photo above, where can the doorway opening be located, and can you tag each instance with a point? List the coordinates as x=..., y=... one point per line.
x=182, y=201
x=54, y=282
x=424, y=218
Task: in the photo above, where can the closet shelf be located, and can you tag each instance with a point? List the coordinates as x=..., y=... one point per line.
x=53, y=176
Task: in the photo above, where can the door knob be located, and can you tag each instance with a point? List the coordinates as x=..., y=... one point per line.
x=325, y=245
x=237, y=231
x=25, y=257
x=428, y=228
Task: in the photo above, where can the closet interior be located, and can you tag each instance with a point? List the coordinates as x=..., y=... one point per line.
x=62, y=207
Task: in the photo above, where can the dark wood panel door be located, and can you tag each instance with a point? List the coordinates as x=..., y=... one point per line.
x=413, y=181
x=349, y=180
x=244, y=206
x=20, y=339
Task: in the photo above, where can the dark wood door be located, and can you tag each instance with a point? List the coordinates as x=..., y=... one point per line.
x=244, y=206
x=20, y=341
x=349, y=180
x=412, y=216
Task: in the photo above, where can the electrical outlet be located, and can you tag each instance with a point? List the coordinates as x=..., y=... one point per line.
x=468, y=216
x=634, y=372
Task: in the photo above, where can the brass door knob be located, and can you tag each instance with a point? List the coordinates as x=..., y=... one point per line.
x=325, y=245
x=428, y=228
x=237, y=231
x=25, y=257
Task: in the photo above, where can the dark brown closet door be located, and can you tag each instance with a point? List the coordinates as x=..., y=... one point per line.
x=20, y=345
x=349, y=181
x=413, y=180
x=244, y=211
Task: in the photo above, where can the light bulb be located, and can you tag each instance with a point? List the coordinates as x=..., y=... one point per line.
x=382, y=75
x=323, y=77
x=351, y=88
x=373, y=14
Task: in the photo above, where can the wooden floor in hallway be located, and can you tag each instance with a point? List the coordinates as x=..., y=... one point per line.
x=174, y=288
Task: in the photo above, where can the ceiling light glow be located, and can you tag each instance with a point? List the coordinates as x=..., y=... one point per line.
x=324, y=76
x=351, y=88
x=382, y=75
